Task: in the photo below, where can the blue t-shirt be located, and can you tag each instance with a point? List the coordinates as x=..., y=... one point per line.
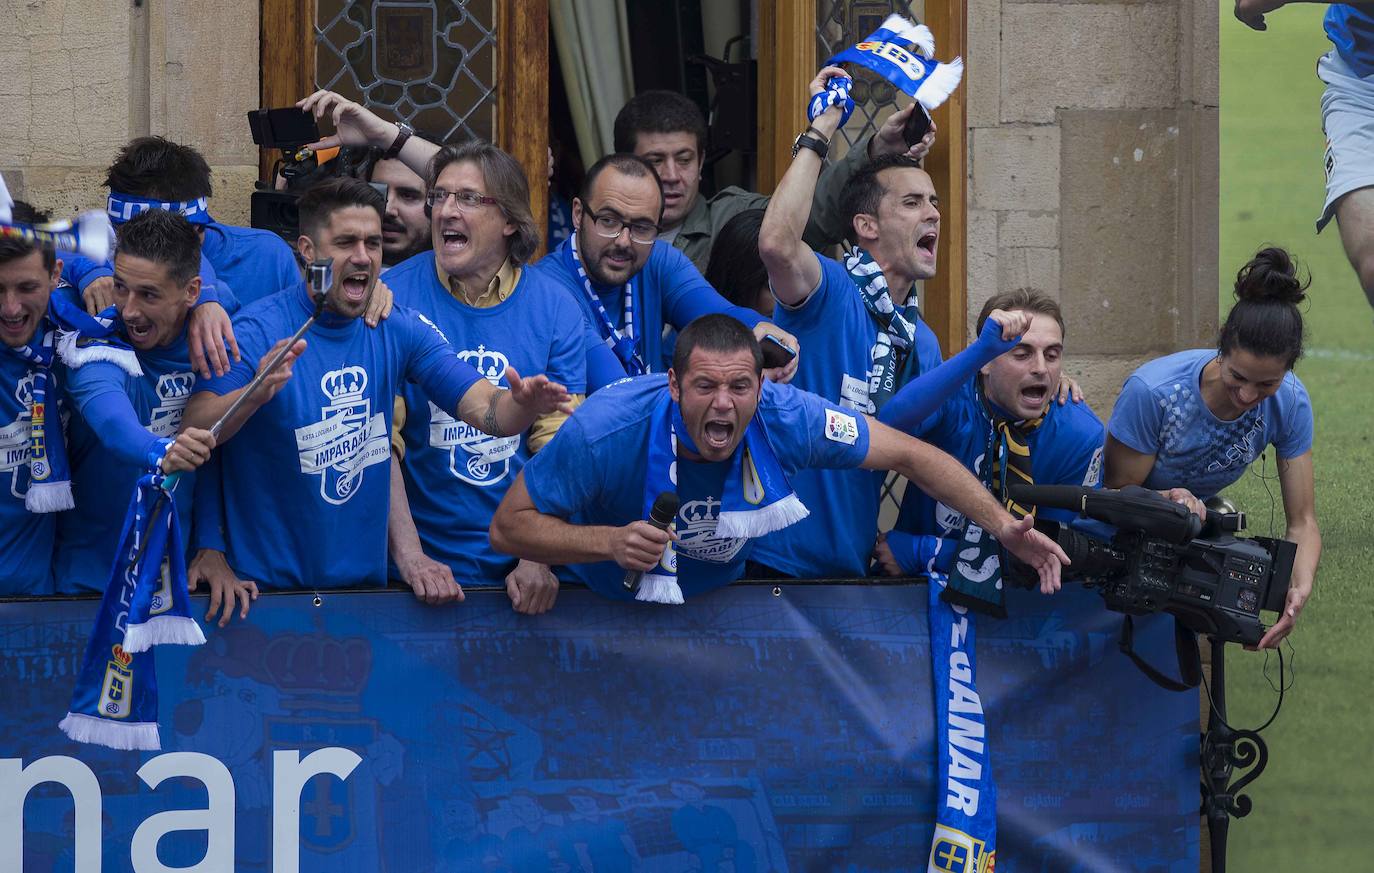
x=837, y=335
x=1351, y=31
x=107, y=463
x=1066, y=449
x=253, y=263
x=307, y=479
x=455, y=474
x=668, y=290
x=1161, y=412
x=26, y=538
x=593, y=473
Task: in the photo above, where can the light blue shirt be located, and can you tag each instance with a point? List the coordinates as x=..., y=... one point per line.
x=1161, y=412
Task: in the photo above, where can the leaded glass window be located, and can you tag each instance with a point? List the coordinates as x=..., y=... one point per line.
x=432, y=64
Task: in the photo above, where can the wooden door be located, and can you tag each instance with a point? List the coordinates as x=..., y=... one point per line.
x=480, y=69
x=790, y=33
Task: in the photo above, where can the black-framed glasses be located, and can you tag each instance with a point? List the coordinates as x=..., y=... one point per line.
x=609, y=225
x=468, y=201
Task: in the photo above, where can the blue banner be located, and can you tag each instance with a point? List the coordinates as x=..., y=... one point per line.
x=753, y=729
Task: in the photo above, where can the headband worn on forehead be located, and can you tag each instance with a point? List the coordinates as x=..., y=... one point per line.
x=122, y=207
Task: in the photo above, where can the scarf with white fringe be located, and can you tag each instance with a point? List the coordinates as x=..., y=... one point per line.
x=757, y=498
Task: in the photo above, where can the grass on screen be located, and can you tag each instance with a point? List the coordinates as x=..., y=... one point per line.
x=1312, y=803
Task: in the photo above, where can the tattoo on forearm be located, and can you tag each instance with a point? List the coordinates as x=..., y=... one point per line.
x=489, y=422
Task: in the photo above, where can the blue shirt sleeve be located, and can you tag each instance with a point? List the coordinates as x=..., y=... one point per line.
x=253, y=344
x=1296, y=438
x=568, y=356
x=562, y=479
x=807, y=431
x=1137, y=420
x=686, y=293
x=603, y=367
x=100, y=392
x=811, y=314
x=917, y=400
x=433, y=364
x=81, y=271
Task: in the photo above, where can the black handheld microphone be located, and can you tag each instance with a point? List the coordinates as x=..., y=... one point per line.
x=661, y=516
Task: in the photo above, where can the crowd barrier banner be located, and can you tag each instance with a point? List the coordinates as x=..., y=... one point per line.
x=753, y=729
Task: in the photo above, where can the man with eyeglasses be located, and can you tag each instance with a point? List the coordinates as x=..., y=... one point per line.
x=628, y=283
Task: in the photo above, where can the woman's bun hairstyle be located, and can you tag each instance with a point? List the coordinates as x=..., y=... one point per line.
x=1265, y=320
x=1271, y=275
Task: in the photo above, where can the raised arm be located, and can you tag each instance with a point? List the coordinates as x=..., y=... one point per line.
x=356, y=125
x=205, y=406
x=793, y=271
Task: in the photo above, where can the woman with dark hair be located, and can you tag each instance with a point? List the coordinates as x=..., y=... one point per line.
x=1191, y=423
x=736, y=269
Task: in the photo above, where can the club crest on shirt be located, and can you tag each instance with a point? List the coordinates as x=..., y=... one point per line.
x=696, y=530
x=173, y=390
x=475, y=457
x=14, y=439
x=347, y=440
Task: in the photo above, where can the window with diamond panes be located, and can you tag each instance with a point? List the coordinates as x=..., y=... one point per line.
x=840, y=24
x=432, y=64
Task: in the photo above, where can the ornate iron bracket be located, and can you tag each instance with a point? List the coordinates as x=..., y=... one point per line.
x=1224, y=753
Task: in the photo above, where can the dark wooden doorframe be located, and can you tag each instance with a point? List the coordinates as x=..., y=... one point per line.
x=286, y=45
x=787, y=62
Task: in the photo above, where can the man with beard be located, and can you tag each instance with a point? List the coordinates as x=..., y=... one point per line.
x=304, y=505
x=713, y=433
x=668, y=131
x=628, y=283
x=122, y=422
x=859, y=319
x=405, y=225
x=993, y=411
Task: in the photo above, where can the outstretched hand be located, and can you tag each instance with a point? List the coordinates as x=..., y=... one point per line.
x=1251, y=12
x=889, y=139
x=538, y=393
x=1020, y=537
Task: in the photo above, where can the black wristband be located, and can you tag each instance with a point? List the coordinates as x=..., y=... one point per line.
x=807, y=141
x=403, y=132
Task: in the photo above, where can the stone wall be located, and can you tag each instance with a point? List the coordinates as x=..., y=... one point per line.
x=1093, y=172
x=82, y=77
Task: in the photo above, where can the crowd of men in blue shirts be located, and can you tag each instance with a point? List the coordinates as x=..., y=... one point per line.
x=460, y=414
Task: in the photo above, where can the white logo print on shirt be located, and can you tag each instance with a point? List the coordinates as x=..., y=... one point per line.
x=473, y=456
x=348, y=439
x=696, y=529
x=14, y=437
x=173, y=390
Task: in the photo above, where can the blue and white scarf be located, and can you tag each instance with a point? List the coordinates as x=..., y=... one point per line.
x=965, y=837
x=896, y=327
x=145, y=604
x=621, y=340
x=914, y=73
x=121, y=207
x=757, y=498
x=67, y=334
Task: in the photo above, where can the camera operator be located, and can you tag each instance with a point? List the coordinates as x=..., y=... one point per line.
x=1196, y=419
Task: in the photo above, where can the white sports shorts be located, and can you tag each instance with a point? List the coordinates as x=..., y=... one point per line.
x=1348, y=122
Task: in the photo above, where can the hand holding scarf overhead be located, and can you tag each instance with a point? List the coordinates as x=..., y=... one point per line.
x=915, y=73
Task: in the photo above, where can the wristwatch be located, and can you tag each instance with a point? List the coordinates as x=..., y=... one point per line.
x=809, y=140
x=403, y=132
